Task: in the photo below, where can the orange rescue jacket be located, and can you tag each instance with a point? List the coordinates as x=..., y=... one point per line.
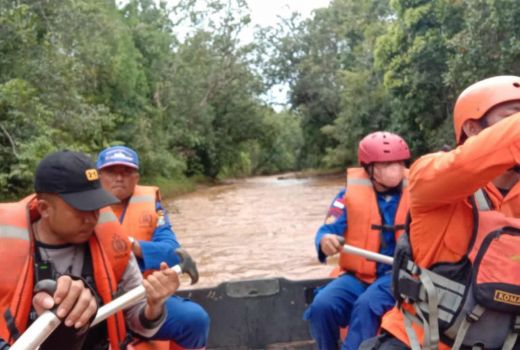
x=110, y=253
x=140, y=215
x=364, y=222
x=440, y=184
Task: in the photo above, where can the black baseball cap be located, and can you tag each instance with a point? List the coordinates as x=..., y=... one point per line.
x=73, y=176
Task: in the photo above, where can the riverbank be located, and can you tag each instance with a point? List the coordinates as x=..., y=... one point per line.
x=309, y=173
x=173, y=187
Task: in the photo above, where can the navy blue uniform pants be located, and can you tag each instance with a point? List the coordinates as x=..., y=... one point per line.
x=346, y=301
x=187, y=323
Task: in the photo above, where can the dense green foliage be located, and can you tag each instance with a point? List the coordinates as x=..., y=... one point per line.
x=85, y=74
x=360, y=66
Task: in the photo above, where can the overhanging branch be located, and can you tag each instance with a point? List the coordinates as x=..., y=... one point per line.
x=11, y=141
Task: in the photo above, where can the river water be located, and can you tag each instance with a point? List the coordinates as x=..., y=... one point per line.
x=254, y=228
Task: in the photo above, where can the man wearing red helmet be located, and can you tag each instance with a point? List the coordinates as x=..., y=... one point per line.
x=459, y=200
x=369, y=213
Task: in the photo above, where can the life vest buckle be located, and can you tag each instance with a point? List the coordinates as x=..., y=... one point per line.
x=473, y=317
x=409, y=288
x=516, y=325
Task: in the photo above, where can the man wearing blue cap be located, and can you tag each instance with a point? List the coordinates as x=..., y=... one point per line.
x=146, y=222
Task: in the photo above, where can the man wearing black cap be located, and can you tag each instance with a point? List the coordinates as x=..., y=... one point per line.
x=62, y=234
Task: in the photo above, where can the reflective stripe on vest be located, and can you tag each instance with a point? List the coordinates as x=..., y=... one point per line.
x=140, y=217
x=363, y=216
x=367, y=182
x=482, y=200
x=106, y=216
x=143, y=198
x=16, y=279
x=7, y=231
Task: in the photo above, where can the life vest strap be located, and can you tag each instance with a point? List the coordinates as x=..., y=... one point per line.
x=513, y=335
x=14, y=333
x=123, y=345
x=440, y=302
x=391, y=228
x=472, y=317
x=409, y=320
x=434, y=298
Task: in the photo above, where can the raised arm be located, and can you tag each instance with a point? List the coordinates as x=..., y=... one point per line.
x=446, y=177
x=163, y=245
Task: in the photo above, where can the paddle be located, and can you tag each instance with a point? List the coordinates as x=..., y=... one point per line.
x=385, y=259
x=47, y=322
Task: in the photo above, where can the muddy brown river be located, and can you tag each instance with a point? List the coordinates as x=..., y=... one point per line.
x=255, y=228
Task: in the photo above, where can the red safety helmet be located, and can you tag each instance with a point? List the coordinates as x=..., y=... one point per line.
x=382, y=146
x=479, y=98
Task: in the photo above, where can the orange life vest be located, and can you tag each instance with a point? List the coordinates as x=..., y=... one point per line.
x=498, y=272
x=109, y=249
x=139, y=221
x=140, y=215
x=364, y=222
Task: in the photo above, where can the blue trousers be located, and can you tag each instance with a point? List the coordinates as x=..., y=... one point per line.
x=346, y=301
x=187, y=324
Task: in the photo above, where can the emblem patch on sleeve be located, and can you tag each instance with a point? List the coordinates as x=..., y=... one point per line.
x=160, y=217
x=330, y=219
x=338, y=204
x=335, y=211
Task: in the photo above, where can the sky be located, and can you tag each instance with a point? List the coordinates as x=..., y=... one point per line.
x=267, y=13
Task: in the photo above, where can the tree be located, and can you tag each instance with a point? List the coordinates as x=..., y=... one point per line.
x=414, y=55
x=317, y=58
x=487, y=45
x=364, y=105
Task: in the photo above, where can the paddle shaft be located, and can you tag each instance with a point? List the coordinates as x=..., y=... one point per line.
x=36, y=334
x=126, y=300
x=47, y=322
x=385, y=259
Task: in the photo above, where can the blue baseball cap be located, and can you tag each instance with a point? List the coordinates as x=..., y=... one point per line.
x=117, y=155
